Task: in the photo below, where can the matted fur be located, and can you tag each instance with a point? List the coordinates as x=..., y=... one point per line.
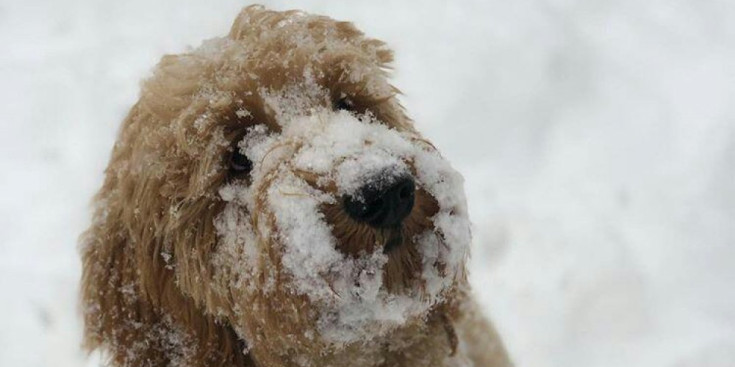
x=153, y=290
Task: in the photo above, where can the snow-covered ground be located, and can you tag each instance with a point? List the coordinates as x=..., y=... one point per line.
x=597, y=139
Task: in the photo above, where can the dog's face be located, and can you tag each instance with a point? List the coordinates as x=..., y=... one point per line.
x=274, y=179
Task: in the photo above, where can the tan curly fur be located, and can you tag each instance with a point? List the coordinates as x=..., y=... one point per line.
x=158, y=286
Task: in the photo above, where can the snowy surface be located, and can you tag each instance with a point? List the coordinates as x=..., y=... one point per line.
x=596, y=137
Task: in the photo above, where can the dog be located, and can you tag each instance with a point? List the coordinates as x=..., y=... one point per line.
x=269, y=203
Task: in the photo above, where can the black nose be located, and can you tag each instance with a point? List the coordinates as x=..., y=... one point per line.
x=382, y=207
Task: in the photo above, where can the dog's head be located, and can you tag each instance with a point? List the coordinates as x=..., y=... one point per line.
x=268, y=187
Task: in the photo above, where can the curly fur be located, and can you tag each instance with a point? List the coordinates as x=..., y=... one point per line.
x=159, y=287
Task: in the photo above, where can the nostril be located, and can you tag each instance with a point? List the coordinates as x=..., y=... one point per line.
x=371, y=209
x=406, y=191
x=363, y=210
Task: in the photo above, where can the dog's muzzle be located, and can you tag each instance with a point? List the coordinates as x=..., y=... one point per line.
x=380, y=204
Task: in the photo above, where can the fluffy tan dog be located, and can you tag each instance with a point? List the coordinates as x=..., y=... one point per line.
x=268, y=203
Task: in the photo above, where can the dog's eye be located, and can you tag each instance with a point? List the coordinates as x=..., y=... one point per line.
x=344, y=104
x=239, y=163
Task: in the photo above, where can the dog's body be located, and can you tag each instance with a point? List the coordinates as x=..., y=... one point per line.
x=268, y=203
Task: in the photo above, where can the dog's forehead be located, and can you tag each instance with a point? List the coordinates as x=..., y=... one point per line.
x=306, y=61
x=279, y=32
x=268, y=63
x=278, y=46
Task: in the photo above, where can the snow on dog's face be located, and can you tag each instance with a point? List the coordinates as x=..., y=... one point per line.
x=272, y=178
x=359, y=279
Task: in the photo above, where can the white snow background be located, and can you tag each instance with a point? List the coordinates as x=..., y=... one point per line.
x=597, y=139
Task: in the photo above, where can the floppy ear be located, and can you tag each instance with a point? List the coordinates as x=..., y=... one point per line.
x=133, y=303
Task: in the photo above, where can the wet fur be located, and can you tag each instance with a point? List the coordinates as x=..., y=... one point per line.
x=150, y=293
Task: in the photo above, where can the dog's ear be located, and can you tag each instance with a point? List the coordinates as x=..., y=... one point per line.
x=135, y=307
